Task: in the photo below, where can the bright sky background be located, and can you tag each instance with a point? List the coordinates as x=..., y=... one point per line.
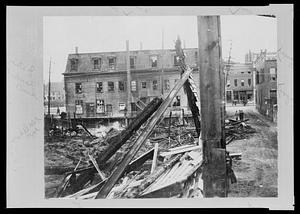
x=109, y=33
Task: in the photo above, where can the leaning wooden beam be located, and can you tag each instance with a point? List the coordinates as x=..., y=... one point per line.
x=117, y=141
x=144, y=135
x=101, y=174
x=189, y=88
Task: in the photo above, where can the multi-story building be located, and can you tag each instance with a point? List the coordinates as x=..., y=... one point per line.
x=266, y=84
x=239, y=85
x=96, y=83
x=57, y=94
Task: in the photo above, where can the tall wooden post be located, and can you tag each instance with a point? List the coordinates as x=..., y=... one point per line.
x=49, y=89
x=128, y=107
x=212, y=106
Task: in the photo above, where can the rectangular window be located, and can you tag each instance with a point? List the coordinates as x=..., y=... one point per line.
x=249, y=82
x=154, y=85
x=132, y=62
x=109, y=108
x=96, y=63
x=228, y=83
x=78, y=88
x=99, y=87
x=166, y=85
x=78, y=106
x=272, y=71
x=100, y=106
x=242, y=82
x=121, y=86
x=273, y=74
x=110, y=86
x=153, y=61
x=122, y=106
x=133, y=85
x=112, y=63
x=235, y=82
x=176, y=60
x=133, y=107
x=74, y=64
x=257, y=77
x=144, y=84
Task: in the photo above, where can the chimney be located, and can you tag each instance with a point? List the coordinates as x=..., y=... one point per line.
x=141, y=46
x=76, y=50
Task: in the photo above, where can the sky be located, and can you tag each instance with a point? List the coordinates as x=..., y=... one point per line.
x=109, y=33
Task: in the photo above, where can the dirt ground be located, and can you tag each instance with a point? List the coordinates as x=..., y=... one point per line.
x=256, y=172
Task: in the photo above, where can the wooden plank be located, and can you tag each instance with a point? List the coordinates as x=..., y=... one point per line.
x=212, y=107
x=164, y=154
x=144, y=135
x=154, y=161
x=97, y=167
x=191, y=97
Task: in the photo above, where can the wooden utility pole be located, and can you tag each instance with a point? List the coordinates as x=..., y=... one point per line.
x=212, y=106
x=128, y=106
x=49, y=89
x=162, y=63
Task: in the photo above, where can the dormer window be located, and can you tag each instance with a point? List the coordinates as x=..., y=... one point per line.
x=176, y=60
x=132, y=62
x=74, y=64
x=112, y=63
x=96, y=63
x=153, y=61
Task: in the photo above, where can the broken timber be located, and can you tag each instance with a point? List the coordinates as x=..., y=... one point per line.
x=189, y=88
x=104, y=191
x=134, y=165
x=117, y=141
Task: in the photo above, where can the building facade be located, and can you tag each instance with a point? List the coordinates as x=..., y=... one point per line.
x=239, y=82
x=96, y=83
x=57, y=94
x=266, y=84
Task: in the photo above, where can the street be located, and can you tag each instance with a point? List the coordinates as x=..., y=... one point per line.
x=256, y=172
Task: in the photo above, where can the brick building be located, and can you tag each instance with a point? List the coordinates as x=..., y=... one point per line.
x=239, y=84
x=96, y=83
x=266, y=84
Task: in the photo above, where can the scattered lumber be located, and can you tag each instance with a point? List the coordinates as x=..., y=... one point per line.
x=134, y=165
x=115, y=142
x=178, y=151
x=142, y=137
x=177, y=181
x=136, y=190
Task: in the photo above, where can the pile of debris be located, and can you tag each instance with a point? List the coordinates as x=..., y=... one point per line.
x=173, y=177
x=237, y=129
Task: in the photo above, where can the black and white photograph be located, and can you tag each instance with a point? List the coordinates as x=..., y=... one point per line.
x=166, y=106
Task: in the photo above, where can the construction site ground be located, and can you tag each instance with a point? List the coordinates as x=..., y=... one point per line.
x=256, y=172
